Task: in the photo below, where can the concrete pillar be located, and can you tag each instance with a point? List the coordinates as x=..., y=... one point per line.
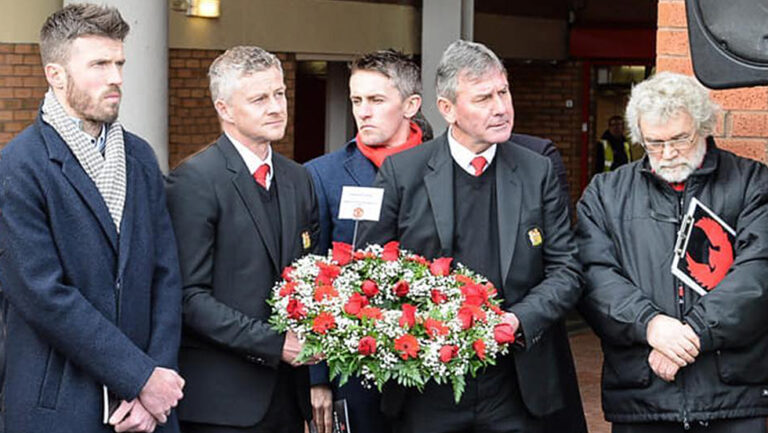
x=144, y=108
x=443, y=21
x=339, y=124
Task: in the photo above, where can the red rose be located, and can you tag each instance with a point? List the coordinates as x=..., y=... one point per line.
x=408, y=346
x=287, y=273
x=468, y=314
x=355, y=303
x=503, y=333
x=441, y=267
x=295, y=309
x=435, y=327
x=325, y=291
x=475, y=294
x=358, y=255
x=327, y=274
x=401, y=288
x=288, y=289
x=418, y=259
x=370, y=288
x=391, y=251
x=495, y=308
x=479, y=346
x=367, y=346
x=408, y=319
x=438, y=297
x=463, y=279
x=372, y=313
x=323, y=322
x=342, y=253
x=448, y=352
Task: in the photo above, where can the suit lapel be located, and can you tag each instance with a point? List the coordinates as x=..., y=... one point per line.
x=126, y=223
x=83, y=184
x=439, y=184
x=246, y=188
x=509, y=199
x=287, y=203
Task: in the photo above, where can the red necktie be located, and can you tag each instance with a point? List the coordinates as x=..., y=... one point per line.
x=260, y=175
x=479, y=164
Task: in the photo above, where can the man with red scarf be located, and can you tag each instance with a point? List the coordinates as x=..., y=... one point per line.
x=385, y=90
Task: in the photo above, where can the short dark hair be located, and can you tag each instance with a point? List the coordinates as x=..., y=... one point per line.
x=615, y=118
x=401, y=69
x=74, y=21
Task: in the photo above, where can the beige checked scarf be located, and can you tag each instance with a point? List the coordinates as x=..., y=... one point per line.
x=107, y=171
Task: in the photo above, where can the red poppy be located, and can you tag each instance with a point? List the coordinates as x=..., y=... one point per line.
x=503, y=333
x=401, y=288
x=448, y=352
x=391, y=251
x=328, y=273
x=408, y=319
x=341, y=253
x=441, y=267
x=370, y=313
x=296, y=309
x=323, y=322
x=288, y=289
x=366, y=346
x=370, y=288
x=479, y=346
x=287, y=273
x=325, y=291
x=355, y=303
x=468, y=314
x=435, y=327
x=438, y=297
x=408, y=346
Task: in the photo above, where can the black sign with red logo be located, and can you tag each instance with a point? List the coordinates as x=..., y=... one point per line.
x=703, y=250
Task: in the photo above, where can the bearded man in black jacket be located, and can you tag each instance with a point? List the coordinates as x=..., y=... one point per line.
x=675, y=360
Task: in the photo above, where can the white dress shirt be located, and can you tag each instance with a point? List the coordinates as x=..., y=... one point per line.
x=464, y=156
x=252, y=161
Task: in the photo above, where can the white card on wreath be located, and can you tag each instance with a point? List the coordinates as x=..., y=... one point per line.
x=360, y=203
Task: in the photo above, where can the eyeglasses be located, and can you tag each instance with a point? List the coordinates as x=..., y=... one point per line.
x=678, y=144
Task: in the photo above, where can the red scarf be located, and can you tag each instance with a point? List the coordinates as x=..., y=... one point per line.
x=378, y=154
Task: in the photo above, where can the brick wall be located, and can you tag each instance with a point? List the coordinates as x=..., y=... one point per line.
x=192, y=122
x=22, y=86
x=743, y=127
x=540, y=92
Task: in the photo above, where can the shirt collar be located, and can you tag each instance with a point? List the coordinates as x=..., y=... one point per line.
x=464, y=156
x=96, y=141
x=252, y=161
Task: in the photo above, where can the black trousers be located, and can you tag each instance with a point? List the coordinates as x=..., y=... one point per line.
x=283, y=415
x=491, y=403
x=740, y=425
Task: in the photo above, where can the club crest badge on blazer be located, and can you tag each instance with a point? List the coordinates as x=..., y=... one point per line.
x=534, y=237
x=306, y=241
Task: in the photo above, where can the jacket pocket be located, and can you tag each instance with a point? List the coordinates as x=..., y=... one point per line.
x=626, y=367
x=49, y=390
x=745, y=365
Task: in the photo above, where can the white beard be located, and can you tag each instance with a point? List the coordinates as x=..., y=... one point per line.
x=678, y=169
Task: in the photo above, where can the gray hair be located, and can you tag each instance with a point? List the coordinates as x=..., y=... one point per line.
x=470, y=59
x=74, y=21
x=226, y=71
x=401, y=69
x=667, y=94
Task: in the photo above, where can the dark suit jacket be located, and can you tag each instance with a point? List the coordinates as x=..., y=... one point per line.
x=541, y=283
x=229, y=354
x=66, y=276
